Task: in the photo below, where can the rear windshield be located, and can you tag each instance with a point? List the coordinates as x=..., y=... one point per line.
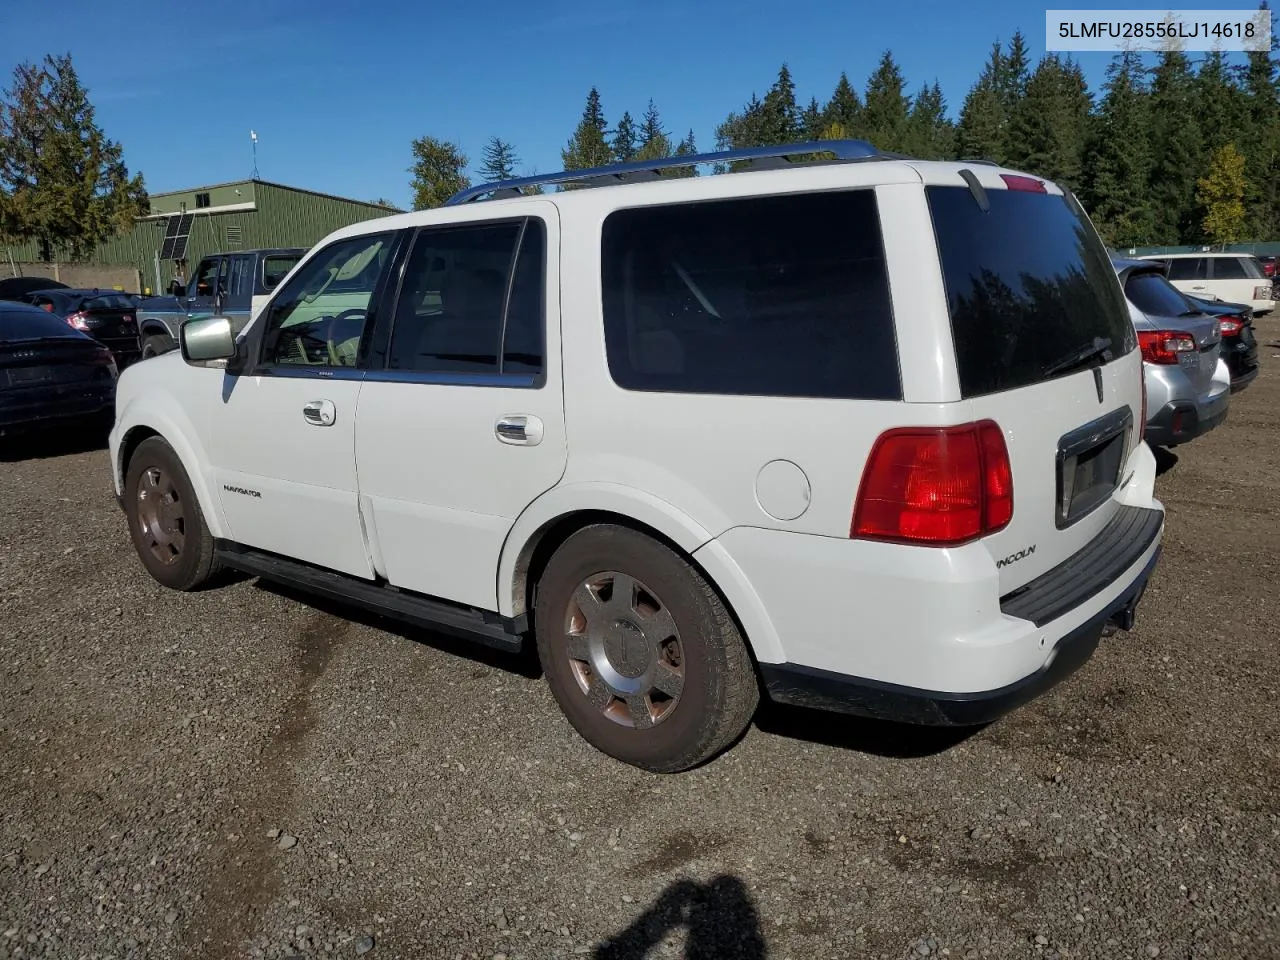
x=1156, y=296
x=768, y=296
x=21, y=322
x=276, y=268
x=1028, y=283
x=115, y=301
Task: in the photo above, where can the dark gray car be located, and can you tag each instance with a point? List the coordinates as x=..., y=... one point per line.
x=231, y=285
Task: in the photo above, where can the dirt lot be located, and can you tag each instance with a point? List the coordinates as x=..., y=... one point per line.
x=242, y=772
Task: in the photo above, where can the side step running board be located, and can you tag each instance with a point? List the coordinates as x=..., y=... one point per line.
x=490, y=629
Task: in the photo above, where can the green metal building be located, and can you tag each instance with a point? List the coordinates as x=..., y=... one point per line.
x=244, y=215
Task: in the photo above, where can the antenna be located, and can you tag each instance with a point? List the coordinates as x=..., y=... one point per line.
x=253, y=135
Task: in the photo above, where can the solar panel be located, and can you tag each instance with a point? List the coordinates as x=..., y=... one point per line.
x=166, y=249
x=181, y=236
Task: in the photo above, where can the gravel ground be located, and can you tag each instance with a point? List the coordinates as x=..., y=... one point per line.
x=244, y=773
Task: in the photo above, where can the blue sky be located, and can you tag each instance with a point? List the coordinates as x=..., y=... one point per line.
x=337, y=90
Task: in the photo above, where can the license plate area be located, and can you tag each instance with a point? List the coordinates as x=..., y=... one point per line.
x=1090, y=461
x=30, y=375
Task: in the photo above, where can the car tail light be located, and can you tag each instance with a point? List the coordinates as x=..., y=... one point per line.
x=1029, y=184
x=1231, y=326
x=1164, y=346
x=78, y=320
x=940, y=486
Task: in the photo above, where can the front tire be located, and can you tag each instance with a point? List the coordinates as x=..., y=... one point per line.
x=157, y=344
x=640, y=652
x=165, y=521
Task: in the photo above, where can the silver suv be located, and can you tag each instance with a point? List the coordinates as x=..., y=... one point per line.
x=1188, y=386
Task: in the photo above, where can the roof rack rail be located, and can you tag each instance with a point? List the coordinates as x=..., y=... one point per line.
x=641, y=170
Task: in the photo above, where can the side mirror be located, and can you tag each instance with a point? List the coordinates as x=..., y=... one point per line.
x=207, y=339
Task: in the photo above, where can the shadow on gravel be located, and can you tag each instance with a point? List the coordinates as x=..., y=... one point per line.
x=524, y=663
x=900, y=741
x=60, y=442
x=1166, y=460
x=719, y=917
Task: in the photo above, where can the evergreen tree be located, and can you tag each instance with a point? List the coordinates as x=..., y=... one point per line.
x=624, y=139
x=654, y=142
x=1221, y=193
x=1051, y=122
x=686, y=148
x=1177, y=148
x=63, y=184
x=498, y=160
x=980, y=133
x=1259, y=81
x=1118, y=165
x=843, y=108
x=779, y=116
x=884, y=116
x=588, y=147
x=1220, y=99
x=811, y=121
x=929, y=135
x=437, y=172
x=1012, y=78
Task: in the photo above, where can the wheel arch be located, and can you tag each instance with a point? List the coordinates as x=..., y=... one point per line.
x=539, y=533
x=156, y=426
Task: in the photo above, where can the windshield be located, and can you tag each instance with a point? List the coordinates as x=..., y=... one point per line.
x=1156, y=296
x=1028, y=283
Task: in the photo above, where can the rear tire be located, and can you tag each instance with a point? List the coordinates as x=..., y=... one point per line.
x=165, y=520
x=157, y=344
x=659, y=676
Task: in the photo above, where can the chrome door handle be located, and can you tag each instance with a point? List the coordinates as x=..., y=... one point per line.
x=320, y=413
x=519, y=429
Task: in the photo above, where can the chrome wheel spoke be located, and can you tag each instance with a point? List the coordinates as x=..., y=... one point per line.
x=590, y=605
x=638, y=707
x=622, y=598
x=578, y=647
x=668, y=681
x=598, y=692
x=658, y=626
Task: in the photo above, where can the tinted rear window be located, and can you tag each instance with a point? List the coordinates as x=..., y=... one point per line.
x=21, y=322
x=115, y=301
x=1186, y=268
x=774, y=296
x=1155, y=296
x=1028, y=284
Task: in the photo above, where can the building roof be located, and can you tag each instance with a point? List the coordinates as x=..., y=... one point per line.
x=267, y=183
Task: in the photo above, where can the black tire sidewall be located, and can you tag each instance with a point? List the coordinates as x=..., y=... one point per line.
x=154, y=452
x=154, y=341
x=676, y=584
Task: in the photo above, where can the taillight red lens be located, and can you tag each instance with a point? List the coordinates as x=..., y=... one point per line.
x=1231, y=326
x=1030, y=184
x=1164, y=346
x=940, y=486
x=78, y=321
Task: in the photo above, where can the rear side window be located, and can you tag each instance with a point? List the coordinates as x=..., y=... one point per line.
x=1237, y=268
x=1156, y=296
x=1186, y=268
x=276, y=267
x=112, y=301
x=1029, y=284
x=772, y=296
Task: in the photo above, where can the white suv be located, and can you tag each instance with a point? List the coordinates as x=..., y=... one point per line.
x=862, y=434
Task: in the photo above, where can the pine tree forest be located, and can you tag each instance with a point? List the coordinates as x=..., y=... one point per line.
x=1172, y=148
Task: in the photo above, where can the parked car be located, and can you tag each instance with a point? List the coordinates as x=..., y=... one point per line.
x=1268, y=265
x=1181, y=352
x=109, y=316
x=694, y=437
x=1239, y=342
x=50, y=373
x=13, y=288
x=1235, y=277
x=232, y=285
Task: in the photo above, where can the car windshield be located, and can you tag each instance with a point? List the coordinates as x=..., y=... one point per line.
x=1155, y=296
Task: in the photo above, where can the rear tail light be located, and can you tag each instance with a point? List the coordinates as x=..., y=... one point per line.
x=1029, y=184
x=78, y=321
x=1230, y=326
x=939, y=486
x=1164, y=346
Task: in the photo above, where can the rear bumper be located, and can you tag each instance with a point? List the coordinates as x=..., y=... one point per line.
x=36, y=408
x=1181, y=421
x=1125, y=557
